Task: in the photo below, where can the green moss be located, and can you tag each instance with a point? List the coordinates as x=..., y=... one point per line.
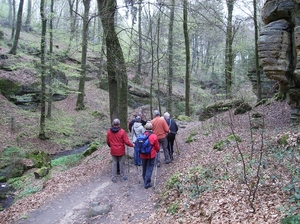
x=173, y=182
x=220, y=145
x=8, y=87
x=17, y=183
x=234, y=138
x=40, y=158
x=98, y=114
x=184, y=118
x=10, y=155
x=92, y=148
x=190, y=138
x=173, y=208
x=283, y=139
x=67, y=161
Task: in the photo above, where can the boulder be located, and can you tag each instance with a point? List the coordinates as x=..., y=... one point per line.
x=42, y=172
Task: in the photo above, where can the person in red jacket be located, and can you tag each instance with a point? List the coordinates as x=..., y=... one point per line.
x=149, y=159
x=116, y=139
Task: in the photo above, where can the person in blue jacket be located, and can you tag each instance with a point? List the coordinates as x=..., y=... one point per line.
x=172, y=135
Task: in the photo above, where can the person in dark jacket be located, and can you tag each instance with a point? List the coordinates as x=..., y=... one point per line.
x=172, y=135
x=149, y=159
x=141, y=115
x=116, y=139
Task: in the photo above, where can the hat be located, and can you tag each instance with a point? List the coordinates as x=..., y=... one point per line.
x=148, y=126
x=156, y=113
x=137, y=118
x=116, y=122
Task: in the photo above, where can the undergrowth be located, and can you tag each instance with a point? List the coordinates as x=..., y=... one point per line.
x=65, y=162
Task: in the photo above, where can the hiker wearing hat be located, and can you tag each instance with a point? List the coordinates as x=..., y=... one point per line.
x=137, y=129
x=116, y=139
x=161, y=129
x=148, y=160
x=171, y=136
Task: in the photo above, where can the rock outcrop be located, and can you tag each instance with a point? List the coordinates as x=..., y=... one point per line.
x=279, y=49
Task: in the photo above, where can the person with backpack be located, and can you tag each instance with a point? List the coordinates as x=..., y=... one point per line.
x=171, y=136
x=137, y=129
x=161, y=128
x=141, y=115
x=148, y=160
x=116, y=139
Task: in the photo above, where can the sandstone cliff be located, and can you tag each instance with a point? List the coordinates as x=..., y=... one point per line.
x=279, y=49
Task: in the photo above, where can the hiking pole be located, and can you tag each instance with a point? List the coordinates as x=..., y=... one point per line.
x=128, y=157
x=177, y=149
x=155, y=173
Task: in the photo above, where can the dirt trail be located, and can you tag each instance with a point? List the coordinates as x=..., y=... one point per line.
x=100, y=201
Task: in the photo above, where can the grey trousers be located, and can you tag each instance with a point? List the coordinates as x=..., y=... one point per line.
x=163, y=143
x=115, y=160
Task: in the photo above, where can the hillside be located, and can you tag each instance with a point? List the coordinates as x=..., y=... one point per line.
x=205, y=183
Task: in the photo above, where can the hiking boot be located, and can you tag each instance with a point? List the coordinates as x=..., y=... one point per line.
x=150, y=185
x=114, y=179
x=123, y=178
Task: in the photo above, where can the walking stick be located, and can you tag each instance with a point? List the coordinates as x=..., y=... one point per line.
x=155, y=173
x=177, y=149
x=128, y=158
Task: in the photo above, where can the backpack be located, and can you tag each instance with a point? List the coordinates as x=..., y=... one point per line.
x=143, y=144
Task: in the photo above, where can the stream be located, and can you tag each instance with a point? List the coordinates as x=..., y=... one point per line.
x=7, y=192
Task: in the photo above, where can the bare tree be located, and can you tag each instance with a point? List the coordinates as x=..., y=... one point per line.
x=28, y=17
x=85, y=29
x=14, y=47
x=228, y=49
x=170, y=53
x=43, y=71
x=256, y=51
x=51, y=54
x=187, y=58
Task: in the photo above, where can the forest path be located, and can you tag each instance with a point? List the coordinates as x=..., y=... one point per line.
x=100, y=201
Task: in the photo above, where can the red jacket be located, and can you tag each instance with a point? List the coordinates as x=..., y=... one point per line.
x=155, y=146
x=116, y=137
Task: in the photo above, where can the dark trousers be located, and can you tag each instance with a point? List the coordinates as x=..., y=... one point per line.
x=147, y=165
x=171, y=139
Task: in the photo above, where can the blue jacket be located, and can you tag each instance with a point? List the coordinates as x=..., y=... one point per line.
x=172, y=125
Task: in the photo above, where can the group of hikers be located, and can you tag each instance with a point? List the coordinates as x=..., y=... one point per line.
x=161, y=132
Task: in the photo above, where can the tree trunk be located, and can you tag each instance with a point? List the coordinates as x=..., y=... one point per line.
x=14, y=47
x=28, y=17
x=187, y=59
x=43, y=71
x=256, y=52
x=49, y=111
x=158, y=61
x=11, y=13
x=139, y=70
x=228, y=50
x=117, y=77
x=85, y=30
x=170, y=52
x=101, y=63
x=73, y=22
